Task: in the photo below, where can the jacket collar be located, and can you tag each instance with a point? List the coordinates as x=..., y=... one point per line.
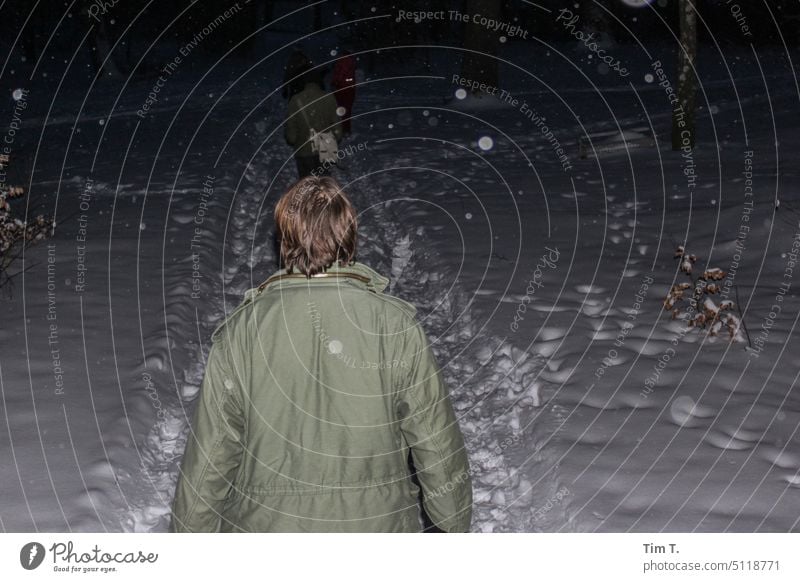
x=358, y=273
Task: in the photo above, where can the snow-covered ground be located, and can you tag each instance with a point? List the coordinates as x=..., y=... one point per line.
x=584, y=407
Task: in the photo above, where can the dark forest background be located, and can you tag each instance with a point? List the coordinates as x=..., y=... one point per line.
x=132, y=25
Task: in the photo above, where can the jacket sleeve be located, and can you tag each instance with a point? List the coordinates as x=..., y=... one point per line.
x=213, y=450
x=432, y=433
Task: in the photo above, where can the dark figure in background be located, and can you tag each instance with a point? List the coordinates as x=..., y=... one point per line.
x=344, y=86
x=311, y=108
x=292, y=83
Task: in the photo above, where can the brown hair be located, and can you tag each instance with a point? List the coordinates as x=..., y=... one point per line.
x=316, y=226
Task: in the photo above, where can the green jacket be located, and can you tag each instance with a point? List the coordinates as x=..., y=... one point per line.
x=311, y=108
x=315, y=391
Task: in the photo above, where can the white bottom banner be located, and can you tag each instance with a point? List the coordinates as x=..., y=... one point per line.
x=354, y=557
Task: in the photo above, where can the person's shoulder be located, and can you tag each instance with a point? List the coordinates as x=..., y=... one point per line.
x=235, y=319
x=374, y=284
x=294, y=102
x=401, y=318
x=312, y=96
x=397, y=307
x=306, y=94
x=395, y=315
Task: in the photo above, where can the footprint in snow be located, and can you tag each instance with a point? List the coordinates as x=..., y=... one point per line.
x=586, y=289
x=793, y=480
x=780, y=457
x=721, y=440
x=685, y=412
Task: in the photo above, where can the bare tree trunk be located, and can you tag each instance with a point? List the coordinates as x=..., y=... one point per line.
x=481, y=65
x=100, y=45
x=683, y=129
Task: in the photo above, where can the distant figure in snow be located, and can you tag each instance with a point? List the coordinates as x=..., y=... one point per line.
x=344, y=86
x=317, y=389
x=311, y=109
x=292, y=83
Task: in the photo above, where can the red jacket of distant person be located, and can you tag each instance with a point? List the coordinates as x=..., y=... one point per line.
x=344, y=87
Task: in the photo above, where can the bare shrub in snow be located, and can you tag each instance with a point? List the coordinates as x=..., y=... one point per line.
x=695, y=302
x=16, y=235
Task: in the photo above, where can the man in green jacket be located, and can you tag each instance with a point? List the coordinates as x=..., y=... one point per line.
x=316, y=389
x=311, y=108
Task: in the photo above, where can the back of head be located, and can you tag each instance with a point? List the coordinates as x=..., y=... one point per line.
x=298, y=61
x=316, y=226
x=312, y=76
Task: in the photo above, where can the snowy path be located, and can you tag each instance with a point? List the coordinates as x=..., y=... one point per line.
x=570, y=426
x=165, y=442
x=559, y=434
x=494, y=385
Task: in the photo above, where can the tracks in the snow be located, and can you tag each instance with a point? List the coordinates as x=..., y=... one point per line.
x=176, y=351
x=495, y=387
